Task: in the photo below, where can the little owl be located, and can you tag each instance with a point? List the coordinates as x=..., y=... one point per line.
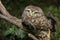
x=33, y=16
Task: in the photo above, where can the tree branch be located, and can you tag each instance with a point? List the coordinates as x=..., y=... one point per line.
x=12, y=20
x=3, y=10
x=32, y=36
x=49, y=14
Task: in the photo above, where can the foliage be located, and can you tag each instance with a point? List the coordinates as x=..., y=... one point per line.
x=15, y=31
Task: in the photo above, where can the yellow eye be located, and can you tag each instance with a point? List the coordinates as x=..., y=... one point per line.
x=35, y=12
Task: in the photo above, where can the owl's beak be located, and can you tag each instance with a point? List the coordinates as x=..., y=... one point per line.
x=31, y=13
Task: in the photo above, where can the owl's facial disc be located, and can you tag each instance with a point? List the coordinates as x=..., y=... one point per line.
x=31, y=12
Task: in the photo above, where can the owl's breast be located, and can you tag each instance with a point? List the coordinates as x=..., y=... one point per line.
x=38, y=20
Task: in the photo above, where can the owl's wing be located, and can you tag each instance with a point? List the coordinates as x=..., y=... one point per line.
x=28, y=24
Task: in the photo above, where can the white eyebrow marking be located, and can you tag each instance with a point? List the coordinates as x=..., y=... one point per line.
x=29, y=10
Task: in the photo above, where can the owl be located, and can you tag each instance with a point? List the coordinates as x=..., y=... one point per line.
x=34, y=17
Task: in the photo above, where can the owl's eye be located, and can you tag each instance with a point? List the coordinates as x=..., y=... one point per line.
x=28, y=10
x=36, y=12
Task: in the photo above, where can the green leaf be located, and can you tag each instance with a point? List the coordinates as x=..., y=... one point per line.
x=20, y=33
x=9, y=31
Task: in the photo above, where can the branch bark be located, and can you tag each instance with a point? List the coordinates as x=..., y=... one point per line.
x=49, y=14
x=5, y=15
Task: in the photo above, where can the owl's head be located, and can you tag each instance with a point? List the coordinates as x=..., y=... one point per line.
x=33, y=11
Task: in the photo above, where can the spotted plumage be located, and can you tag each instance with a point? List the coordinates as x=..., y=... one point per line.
x=34, y=16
